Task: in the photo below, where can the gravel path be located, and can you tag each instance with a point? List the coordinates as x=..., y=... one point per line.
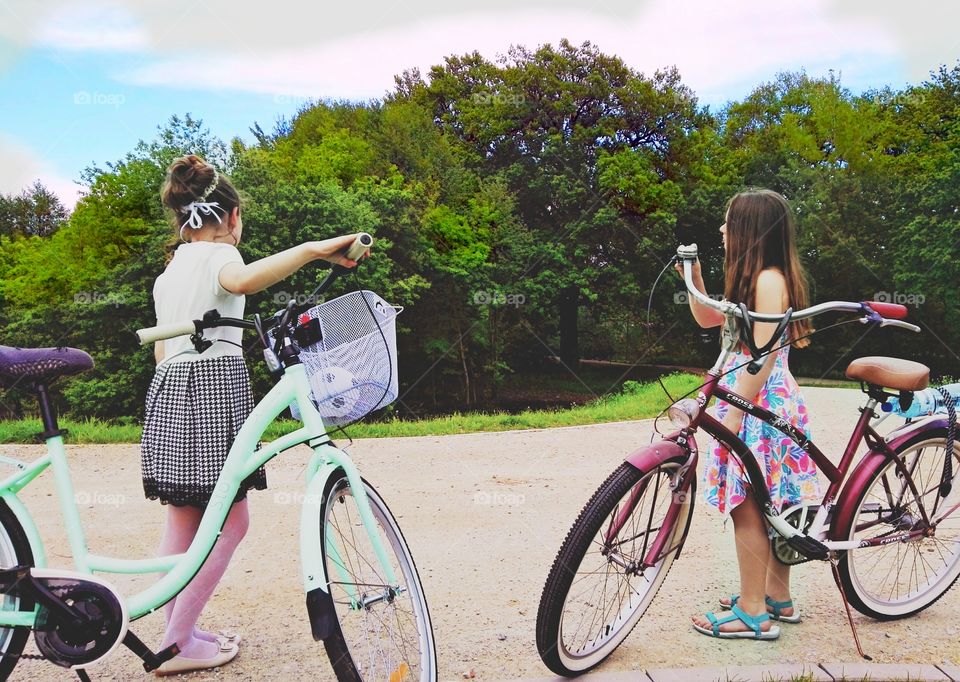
x=484, y=515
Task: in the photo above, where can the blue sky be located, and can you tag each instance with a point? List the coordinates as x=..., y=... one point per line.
x=81, y=82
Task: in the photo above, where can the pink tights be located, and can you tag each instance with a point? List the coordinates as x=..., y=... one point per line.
x=183, y=611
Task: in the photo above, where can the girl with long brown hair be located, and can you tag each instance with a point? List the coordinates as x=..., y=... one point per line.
x=763, y=270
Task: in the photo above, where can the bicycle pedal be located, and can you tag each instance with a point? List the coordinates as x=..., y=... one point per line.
x=151, y=661
x=808, y=547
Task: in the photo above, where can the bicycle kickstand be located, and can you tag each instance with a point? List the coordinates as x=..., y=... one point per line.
x=846, y=605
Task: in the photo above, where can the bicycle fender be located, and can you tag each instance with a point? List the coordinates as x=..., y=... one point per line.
x=313, y=565
x=868, y=466
x=655, y=454
x=29, y=528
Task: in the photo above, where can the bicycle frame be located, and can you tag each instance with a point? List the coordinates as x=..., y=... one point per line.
x=243, y=459
x=835, y=474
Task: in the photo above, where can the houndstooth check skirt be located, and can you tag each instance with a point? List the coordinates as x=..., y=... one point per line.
x=193, y=413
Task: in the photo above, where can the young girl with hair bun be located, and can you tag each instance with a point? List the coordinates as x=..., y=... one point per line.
x=197, y=402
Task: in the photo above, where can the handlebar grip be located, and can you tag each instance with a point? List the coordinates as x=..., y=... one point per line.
x=359, y=247
x=165, y=331
x=687, y=251
x=893, y=311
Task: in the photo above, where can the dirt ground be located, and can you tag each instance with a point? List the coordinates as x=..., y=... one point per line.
x=484, y=515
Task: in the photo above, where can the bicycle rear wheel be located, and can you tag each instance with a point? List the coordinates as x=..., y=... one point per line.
x=597, y=591
x=384, y=631
x=901, y=577
x=14, y=551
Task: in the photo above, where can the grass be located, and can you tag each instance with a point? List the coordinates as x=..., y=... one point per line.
x=635, y=401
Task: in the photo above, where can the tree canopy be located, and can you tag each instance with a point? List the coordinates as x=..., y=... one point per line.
x=523, y=208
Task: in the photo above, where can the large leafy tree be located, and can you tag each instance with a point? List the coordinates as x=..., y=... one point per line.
x=35, y=212
x=593, y=151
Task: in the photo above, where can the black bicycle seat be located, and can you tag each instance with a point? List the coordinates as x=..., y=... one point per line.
x=38, y=364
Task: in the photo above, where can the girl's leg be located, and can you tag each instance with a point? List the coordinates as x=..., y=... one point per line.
x=191, y=601
x=753, y=556
x=181, y=527
x=778, y=583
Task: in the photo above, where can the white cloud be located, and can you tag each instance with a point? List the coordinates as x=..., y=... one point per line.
x=925, y=31
x=22, y=166
x=354, y=49
x=98, y=27
x=715, y=45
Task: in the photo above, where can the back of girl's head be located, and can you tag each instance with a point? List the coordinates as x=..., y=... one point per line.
x=761, y=234
x=189, y=179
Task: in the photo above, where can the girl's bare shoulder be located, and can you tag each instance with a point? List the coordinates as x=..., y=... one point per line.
x=772, y=284
x=771, y=277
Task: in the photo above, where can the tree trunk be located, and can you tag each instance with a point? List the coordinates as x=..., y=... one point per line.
x=569, y=348
x=466, y=370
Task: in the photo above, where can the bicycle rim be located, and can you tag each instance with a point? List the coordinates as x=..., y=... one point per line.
x=605, y=599
x=899, y=578
x=385, y=629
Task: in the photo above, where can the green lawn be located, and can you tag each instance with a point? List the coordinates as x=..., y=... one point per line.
x=635, y=401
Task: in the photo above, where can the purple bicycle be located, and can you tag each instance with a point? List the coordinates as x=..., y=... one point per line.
x=891, y=529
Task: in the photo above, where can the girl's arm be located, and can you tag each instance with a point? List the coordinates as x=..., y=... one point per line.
x=771, y=298
x=704, y=315
x=158, y=351
x=258, y=275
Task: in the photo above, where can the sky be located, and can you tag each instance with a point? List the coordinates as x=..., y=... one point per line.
x=82, y=82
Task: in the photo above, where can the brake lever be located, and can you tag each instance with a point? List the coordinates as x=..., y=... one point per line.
x=283, y=322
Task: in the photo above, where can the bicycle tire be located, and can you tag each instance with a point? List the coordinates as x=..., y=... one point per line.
x=853, y=577
x=556, y=591
x=13, y=544
x=340, y=645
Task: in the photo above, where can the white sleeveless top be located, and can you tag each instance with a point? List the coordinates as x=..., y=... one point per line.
x=189, y=287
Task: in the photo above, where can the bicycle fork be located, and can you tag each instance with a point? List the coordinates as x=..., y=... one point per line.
x=323, y=470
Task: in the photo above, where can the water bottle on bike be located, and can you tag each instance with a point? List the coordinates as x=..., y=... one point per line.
x=927, y=401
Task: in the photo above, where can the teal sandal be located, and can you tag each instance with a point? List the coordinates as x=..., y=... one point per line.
x=775, y=606
x=736, y=613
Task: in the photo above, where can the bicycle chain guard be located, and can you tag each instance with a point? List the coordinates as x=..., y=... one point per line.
x=72, y=644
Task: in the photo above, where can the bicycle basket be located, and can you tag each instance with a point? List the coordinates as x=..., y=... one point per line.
x=352, y=369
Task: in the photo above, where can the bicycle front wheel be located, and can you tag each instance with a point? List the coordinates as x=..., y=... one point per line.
x=384, y=631
x=598, y=587
x=912, y=563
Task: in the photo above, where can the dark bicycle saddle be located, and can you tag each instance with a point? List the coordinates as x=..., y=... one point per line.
x=40, y=363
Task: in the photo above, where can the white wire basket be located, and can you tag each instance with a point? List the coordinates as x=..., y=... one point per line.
x=353, y=368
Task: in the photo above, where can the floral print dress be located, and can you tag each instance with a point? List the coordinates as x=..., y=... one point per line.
x=790, y=472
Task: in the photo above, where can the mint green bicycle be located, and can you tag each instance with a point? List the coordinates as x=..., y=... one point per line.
x=333, y=364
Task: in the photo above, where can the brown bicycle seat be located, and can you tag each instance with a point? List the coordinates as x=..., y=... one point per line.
x=904, y=375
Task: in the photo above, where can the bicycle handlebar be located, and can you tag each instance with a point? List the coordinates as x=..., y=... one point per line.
x=873, y=312
x=168, y=331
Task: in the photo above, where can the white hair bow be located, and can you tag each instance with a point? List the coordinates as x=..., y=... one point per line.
x=201, y=207
x=197, y=209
